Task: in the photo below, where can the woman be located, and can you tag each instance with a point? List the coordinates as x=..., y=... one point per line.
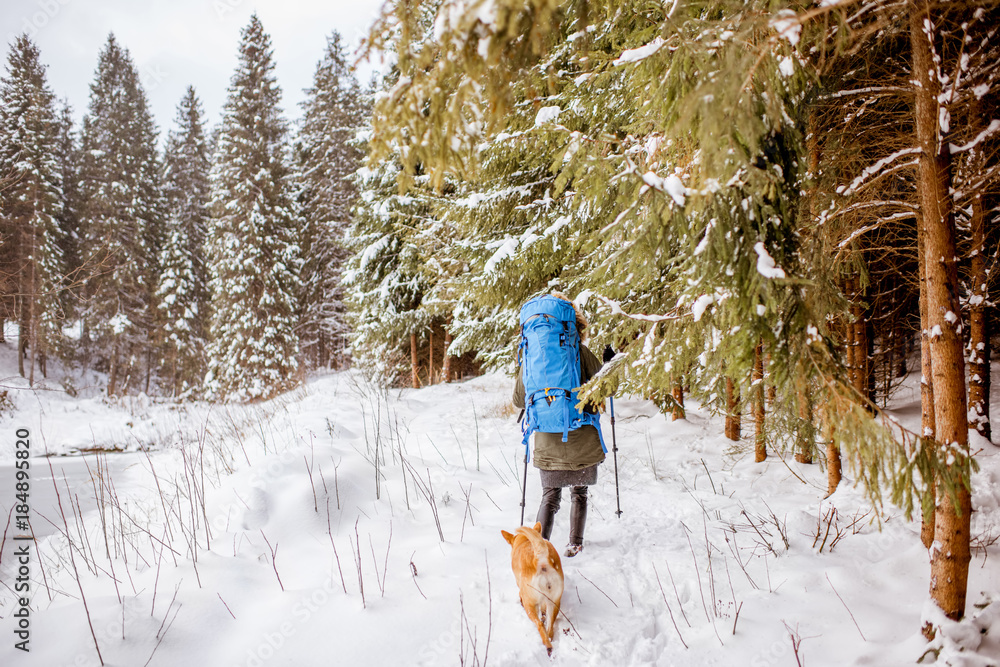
x=572, y=463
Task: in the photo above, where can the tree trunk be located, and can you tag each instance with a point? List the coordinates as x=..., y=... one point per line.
x=22, y=346
x=430, y=356
x=833, y=465
x=900, y=331
x=926, y=390
x=772, y=391
x=805, y=434
x=677, y=410
x=732, y=410
x=113, y=374
x=979, y=334
x=32, y=334
x=446, y=365
x=950, y=555
x=757, y=384
x=850, y=344
x=414, y=363
x=32, y=295
x=862, y=367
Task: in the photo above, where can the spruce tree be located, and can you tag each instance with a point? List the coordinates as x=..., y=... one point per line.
x=327, y=156
x=182, y=294
x=384, y=277
x=761, y=186
x=255, y=259
x=121, y=220
x=68, y=157
x=31, y=201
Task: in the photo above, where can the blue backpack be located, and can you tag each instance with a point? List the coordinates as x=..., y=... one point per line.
x=549, y=354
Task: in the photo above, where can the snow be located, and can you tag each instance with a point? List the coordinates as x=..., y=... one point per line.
x=294, y=508
x=787, y=24
x=547, y=115
x=700, y=305
x=876, y=168
x=786, y=66
x=507, y=249
x=765, y=263
x=991, y=129
x=672, y=185
x=641, y=53
x=675, y=189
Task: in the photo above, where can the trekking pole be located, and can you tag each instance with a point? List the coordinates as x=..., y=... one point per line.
x=614, y=449
x=609, y=354
x=524, y=480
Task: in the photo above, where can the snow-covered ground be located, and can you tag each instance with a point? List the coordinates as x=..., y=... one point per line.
x=304, y=531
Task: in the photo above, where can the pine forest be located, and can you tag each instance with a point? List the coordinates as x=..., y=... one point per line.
x=772, y=212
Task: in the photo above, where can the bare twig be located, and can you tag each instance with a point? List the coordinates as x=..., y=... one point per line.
x=357, y=561
x=468, y=505
x=226, y=606
x=701, y=592
x=705, y=466
x=311, y=484
x=413, y=575
x=274, y=556
x=160, y=636
x=676, y=594
x=334, y=545
x=732, y=590
x=72, y=561
x=845, y=607
x=669, y=610
x=489, y=585
x=598, y=588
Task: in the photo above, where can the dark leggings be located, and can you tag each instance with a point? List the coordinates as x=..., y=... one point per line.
x=551, y=499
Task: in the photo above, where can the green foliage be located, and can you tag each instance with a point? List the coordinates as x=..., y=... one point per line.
x=121, y=217
x=651, y=158
x=31, y=260
x=253, y=246
x=327, y=154
x=182, y=293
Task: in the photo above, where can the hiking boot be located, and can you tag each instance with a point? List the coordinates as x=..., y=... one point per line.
x=572, y=550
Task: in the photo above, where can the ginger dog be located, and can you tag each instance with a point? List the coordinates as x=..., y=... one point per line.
x=539, y=576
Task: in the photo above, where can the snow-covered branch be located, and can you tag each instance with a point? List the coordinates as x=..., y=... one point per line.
x=875, y=168
x=994, y=126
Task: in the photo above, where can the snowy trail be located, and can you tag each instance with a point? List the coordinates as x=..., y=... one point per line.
x=281, y=514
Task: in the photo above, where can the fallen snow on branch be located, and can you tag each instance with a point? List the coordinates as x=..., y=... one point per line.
x=869, y=171
x=765, y=263
x=994, y=126
x=641, y=53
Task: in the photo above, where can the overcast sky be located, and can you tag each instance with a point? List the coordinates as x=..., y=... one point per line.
x=176, y=43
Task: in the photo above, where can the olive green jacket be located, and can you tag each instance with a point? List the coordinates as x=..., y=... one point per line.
x=583, y=446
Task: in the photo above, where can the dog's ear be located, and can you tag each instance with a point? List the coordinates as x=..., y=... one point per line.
x=507, y=536
x=538, y=527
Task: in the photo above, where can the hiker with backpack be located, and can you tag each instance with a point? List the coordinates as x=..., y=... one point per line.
x=553, y=363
